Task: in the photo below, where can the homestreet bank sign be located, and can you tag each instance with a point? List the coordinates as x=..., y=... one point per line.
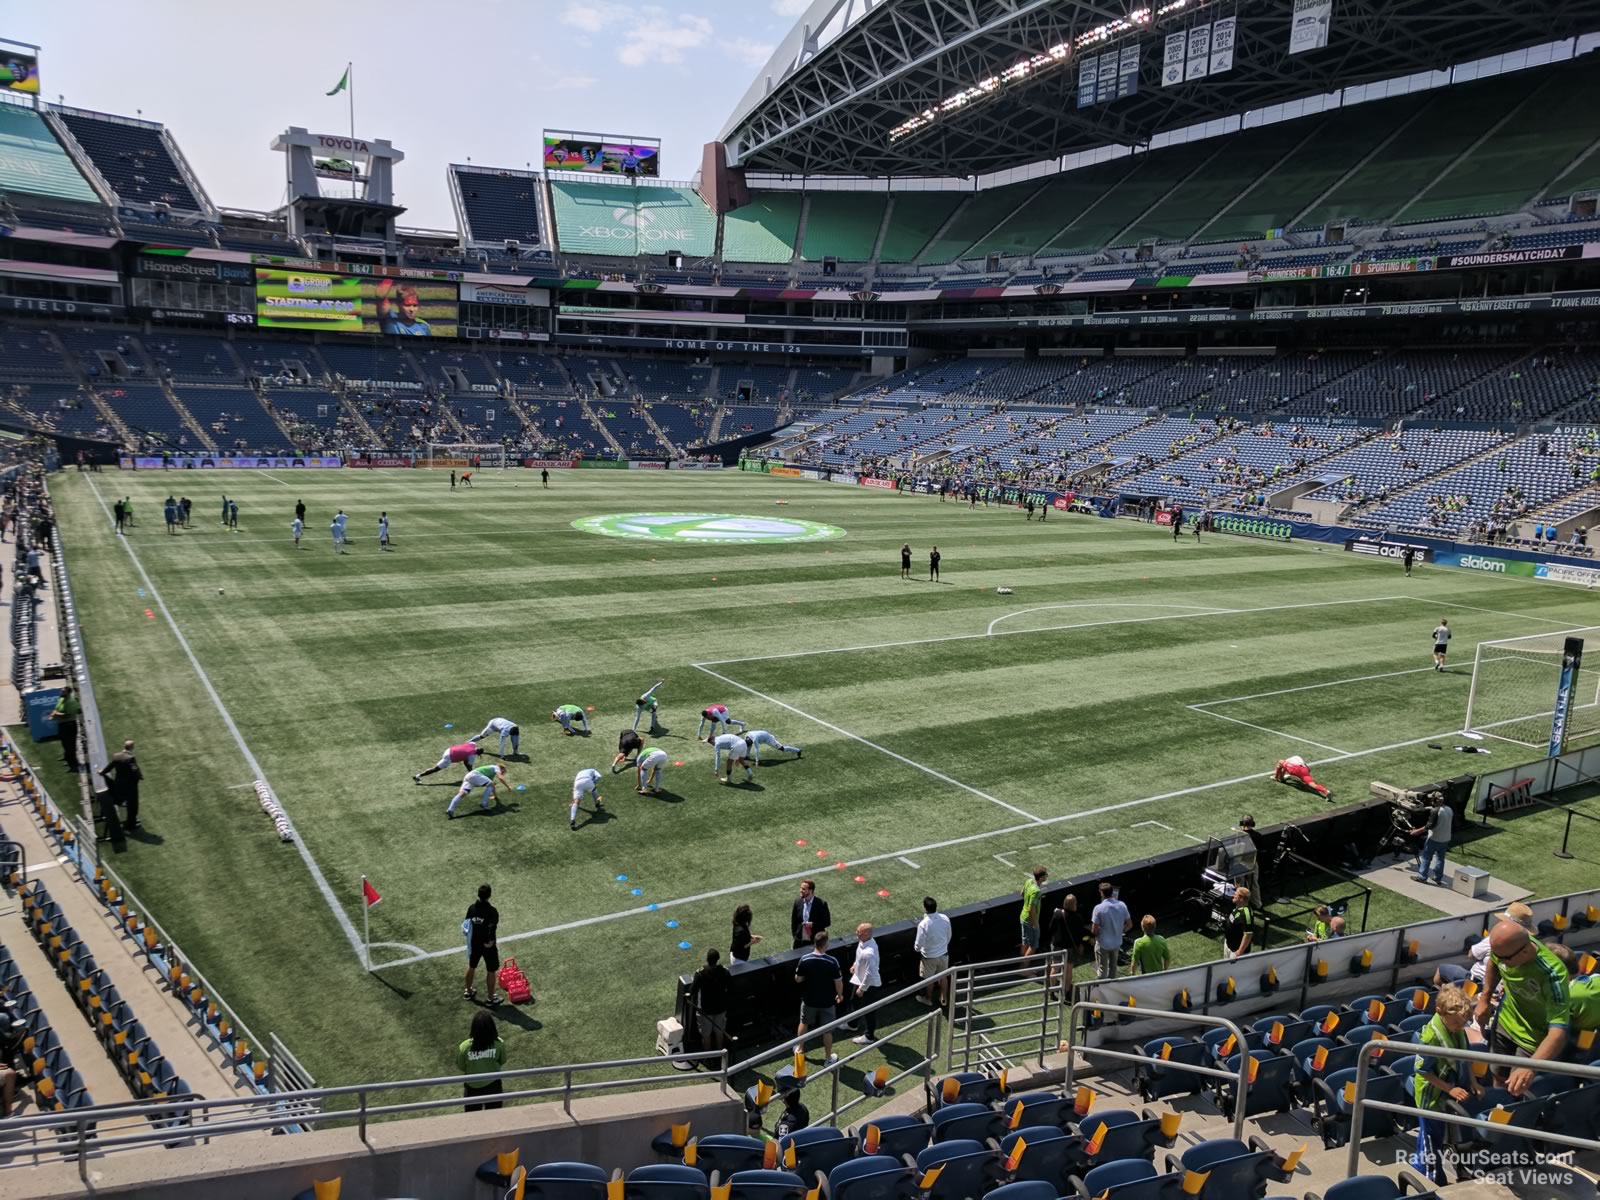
x=706, y=528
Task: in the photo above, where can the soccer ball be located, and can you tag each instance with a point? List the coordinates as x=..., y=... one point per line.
x=219, y=591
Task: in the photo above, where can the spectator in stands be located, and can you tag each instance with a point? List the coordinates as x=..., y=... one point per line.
x=1150, y=953
x=65, y=715
x=932, y=944
x=795, y=1116
x=483, y=1053
x=864, y=981
x=1320, y=927
x=1517, y=912
x=1438, y=1078
x=1534, y=1013
x=712, y=983
x=743, y=939
x=821, y=991
x=1030, y=909
x=1336, y=928
x=1240, y=930
x=1109, y=922
x=122, y=776
x=1068, y=935
x=480, y=926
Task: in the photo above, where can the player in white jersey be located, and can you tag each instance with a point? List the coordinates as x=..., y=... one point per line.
x=1441, y=642
x=720, y=719
x=487, y=778
x=585, y=783
x=297, y=528
x=336, y=528
x=506, y=728
x=383, y=531
x=760, y=737
x=651, y=760
x=737, y=748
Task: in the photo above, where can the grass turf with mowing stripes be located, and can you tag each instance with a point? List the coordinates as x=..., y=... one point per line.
x=1083, y=733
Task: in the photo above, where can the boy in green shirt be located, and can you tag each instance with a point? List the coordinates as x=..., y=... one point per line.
x=1150, y=953
x=1437, y=1079
x=1030, y=910
x=566, y=715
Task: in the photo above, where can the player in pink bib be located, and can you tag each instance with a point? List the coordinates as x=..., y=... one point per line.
x=466, y=754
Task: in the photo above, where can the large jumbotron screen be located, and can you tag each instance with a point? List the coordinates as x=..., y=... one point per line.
x=19, y=69
x=287, y=299
x=601, y=154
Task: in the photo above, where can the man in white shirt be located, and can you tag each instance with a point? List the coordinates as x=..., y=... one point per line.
x=737, y=750
x=864, y=981
x=932, y=945
x=585, y=783
x=506, y=728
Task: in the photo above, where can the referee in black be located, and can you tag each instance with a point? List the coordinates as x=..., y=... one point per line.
x=482, y=924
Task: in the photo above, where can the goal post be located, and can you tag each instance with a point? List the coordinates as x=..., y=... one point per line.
x=458, y=454
x=1520, y=684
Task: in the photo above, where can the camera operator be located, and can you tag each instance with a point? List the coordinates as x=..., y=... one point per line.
x=1438, y=822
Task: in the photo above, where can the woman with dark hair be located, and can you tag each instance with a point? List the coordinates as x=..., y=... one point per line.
x=743, y=939
x=481, y=1054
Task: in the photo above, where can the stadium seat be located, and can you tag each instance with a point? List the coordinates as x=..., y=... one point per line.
x=1378, y=1187
x=970, y=1168
x=558, y=1180
x=1037, y=1108
x=817, y=1148
x=765, y=1185
x=1025, y=1189
x=875, y=1177
x=1332, y=1121
x=725, y=1153
x=970, y=1087
x=1128, y=1134
x=1049, y=1155
x=1235, y=1169
x=666, y=1181
x=967, y=1121
x=1414, y=1023
x=898, y=1134
x=1159, y=1077
x=1272, y=1089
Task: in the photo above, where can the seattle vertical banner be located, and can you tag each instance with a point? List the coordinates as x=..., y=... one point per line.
x=1308, y=28
x=1088, y=77
x=1199, y=57
x=1172, y=58
x=1222, y=44
x=1561, y=721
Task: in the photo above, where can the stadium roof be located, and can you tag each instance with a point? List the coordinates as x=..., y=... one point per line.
x=852, y=71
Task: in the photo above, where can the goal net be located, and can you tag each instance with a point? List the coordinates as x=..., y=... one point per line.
x=465, y=454
x=1515, y=684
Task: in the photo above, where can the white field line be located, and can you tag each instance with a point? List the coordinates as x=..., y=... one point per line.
x=1263, y=729
x=275, y=479
x=1002, y=858
x=227, y=719
x=1207, y=608
x=1311, y=687
x=908, y=862
x=855, y=737
x=966, y=637
x=809, y=872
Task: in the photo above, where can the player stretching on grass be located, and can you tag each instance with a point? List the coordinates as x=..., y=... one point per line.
x=647, y=703
x=506, y=728
x=1295, y=772
x=566, y=715
x=760, y=737
x=628, y=743
x=585, y=783
x=466, y=754
x=486, y=778
x=737, y=748
x=720, y=719
x=651, y=760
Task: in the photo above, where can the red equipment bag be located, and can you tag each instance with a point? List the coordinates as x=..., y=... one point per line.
x=514, y=983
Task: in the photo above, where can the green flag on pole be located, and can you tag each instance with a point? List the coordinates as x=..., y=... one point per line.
x=344, y=82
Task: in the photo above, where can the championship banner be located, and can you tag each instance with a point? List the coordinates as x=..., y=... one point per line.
x=1566, y=689
x=1198, y=59
x=1308, y=28
x=1106, y=85
x=1172, y=59
x=1222, y=44
x=1128, y=71
x=1088, y=78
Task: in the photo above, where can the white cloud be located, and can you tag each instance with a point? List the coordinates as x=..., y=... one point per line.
x=790, y=8
x=643, y=34
x=749, y=51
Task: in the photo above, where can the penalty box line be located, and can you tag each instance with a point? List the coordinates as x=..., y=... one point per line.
x=968, y=839
x=856, y=737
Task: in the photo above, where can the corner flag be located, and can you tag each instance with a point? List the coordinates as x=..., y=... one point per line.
x=344, y=81
x=369, y=893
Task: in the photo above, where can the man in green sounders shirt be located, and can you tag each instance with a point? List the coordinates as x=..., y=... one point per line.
x=1030, y=910
x=1150, y=953
x=1534, y=1013
x=1583, y=999
x=566, y=715
x=65, y=715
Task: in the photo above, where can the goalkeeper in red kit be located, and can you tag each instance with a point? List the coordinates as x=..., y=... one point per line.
x=1294, y=770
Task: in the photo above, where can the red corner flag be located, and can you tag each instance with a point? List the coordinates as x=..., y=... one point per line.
x=369, y=893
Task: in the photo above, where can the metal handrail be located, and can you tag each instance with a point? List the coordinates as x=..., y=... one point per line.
x=1360, y=1102
x=1241, y=1077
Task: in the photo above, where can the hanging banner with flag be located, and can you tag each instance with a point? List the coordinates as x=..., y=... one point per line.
x=1088, y=75
x=1222, y=44
x=1128, y=71
x=1199, y=53
x=1172, y=59
x=1566, y=691
x=1308, y=29
x=344, y=81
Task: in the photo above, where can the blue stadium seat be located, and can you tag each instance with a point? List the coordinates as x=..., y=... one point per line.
x=1128, y=1134
x=971, y=1168
x=1050, y=1156
x=817, y=1148
x=898, y=1134
x=1038, y=1108
x=765, y=1185
x=1025, y=1189
x=1158, y=1078
x=726, y=1153
x=1128, y=1179
x=1332, y=1121
x=971, y=1087
x=1272, y=1090
x=875, y=1177
x=666, y=1181
x=1237, y=1170
x=1378, y=1187
x=967, y=1121
x=561, y=1181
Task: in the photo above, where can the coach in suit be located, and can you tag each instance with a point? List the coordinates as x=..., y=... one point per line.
x=810, y=915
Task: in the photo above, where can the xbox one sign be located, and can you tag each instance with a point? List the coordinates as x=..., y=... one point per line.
x=707, y=528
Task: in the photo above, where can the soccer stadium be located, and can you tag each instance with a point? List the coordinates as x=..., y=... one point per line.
x=1110, y=491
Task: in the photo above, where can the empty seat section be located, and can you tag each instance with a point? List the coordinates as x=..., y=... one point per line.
x=191, y=356
x=914, y=219
x=33, y=163
x=673, y=218
x=29, y=354
x=234, y=418
x=1240, y=160
x=1150, y=177
x=594, y=218
x=843, y=225
x=1454, y=118
x=1516, y=162
x=133, y=158
x=1061, y=200
x=764, y=230
x=500, y=206
x=982, y=212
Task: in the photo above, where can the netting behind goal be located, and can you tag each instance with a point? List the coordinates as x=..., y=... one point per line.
x=1514, y=686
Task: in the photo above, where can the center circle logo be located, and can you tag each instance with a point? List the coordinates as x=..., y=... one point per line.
x=707, y=528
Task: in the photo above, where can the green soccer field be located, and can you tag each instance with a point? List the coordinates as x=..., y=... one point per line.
x=1131, y=695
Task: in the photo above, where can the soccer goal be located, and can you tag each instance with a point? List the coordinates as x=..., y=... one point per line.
x=453, y=454
x=1515, y=683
